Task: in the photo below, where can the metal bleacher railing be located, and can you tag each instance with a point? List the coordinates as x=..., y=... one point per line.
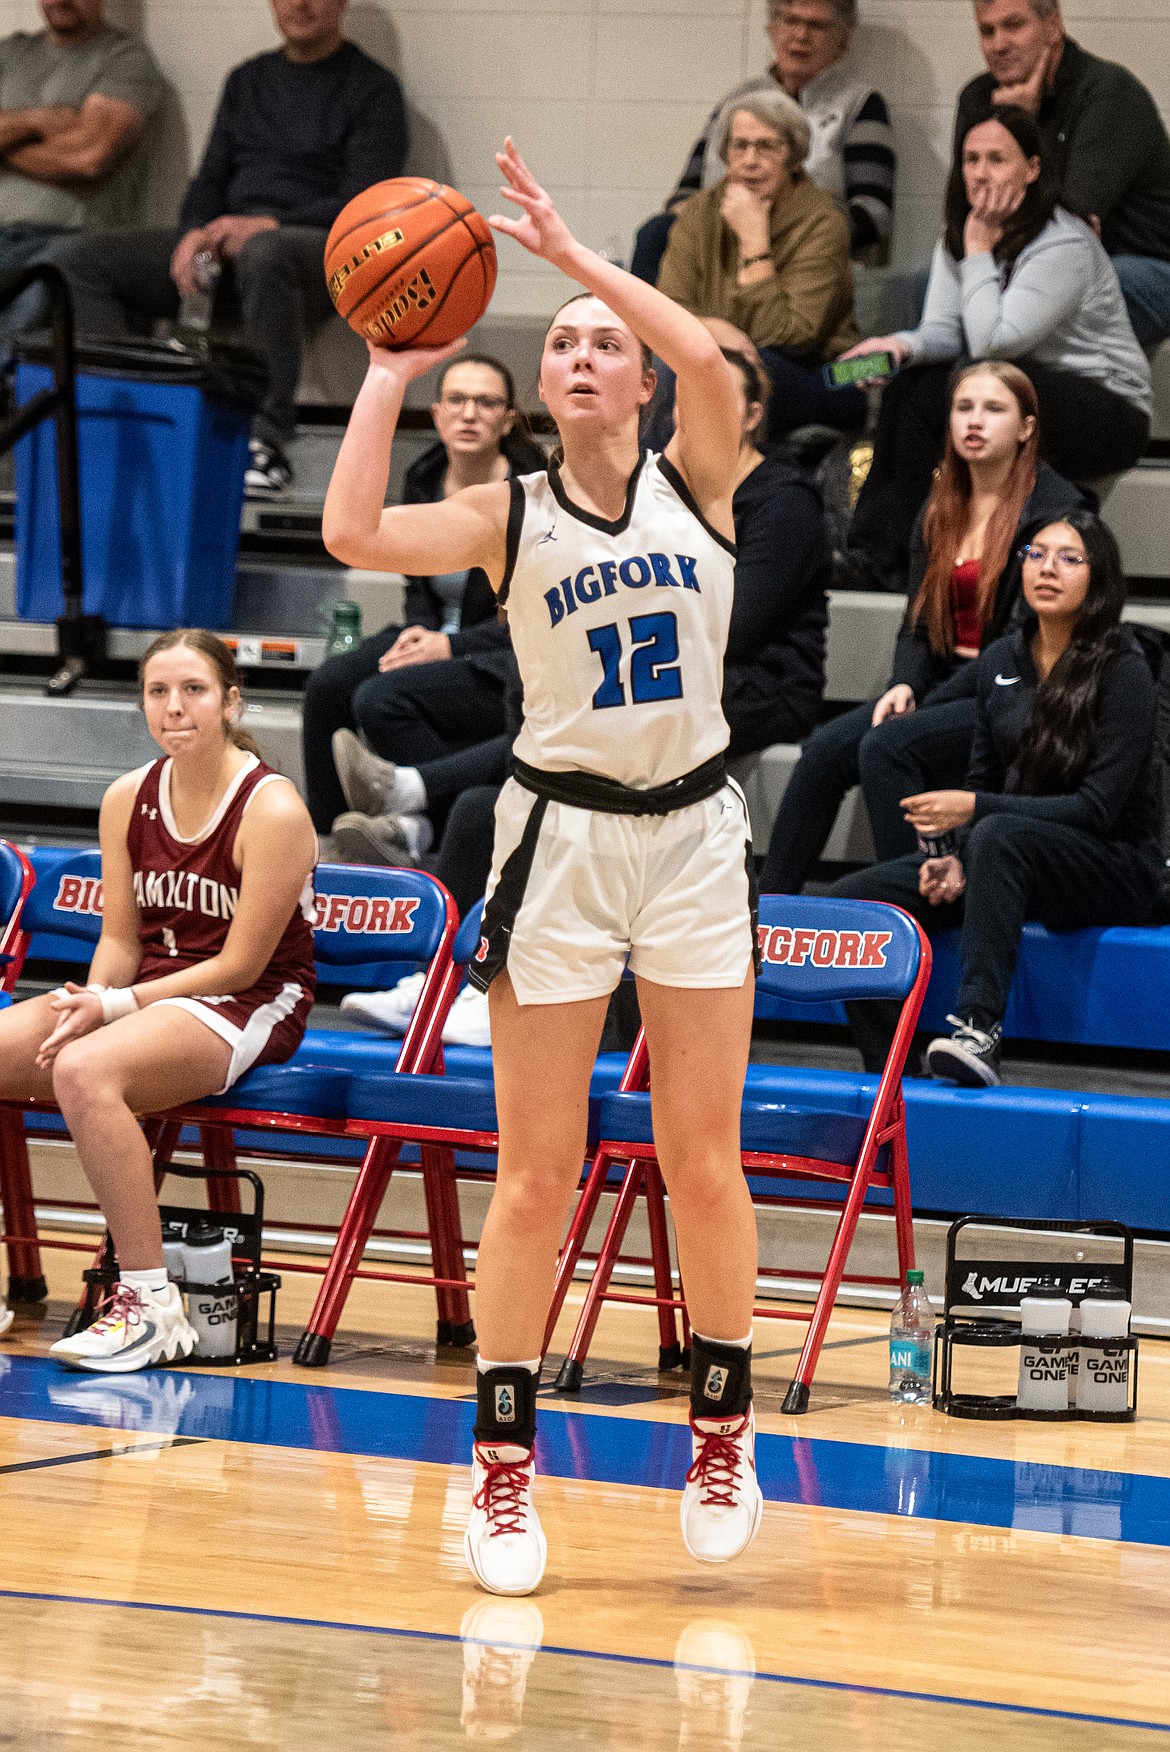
x=80, y=637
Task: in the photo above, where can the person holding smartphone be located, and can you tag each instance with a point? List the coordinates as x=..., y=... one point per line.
x=1057, y=817
x=1016, y=277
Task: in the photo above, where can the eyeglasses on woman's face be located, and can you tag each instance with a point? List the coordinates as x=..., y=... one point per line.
x=456, y=401
x=1068, y=559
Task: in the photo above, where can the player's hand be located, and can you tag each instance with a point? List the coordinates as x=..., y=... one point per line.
x=415, y=645
x=541, y=228
x=79, y=1012
x=894, y=703
x=941, y=880
x=404, y=364
x=934, y=812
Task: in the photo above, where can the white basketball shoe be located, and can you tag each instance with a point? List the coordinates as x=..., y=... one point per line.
x=504, y=1543
x=136, y=1329
x=722, y=1503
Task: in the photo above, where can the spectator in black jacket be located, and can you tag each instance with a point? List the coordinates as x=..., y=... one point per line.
x=774, y=666
x=1057, y=818
x=990, y=493
x=1102, y=129
x=436, y=687
x=298, y=132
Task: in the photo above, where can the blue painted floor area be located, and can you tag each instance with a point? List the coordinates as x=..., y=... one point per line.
x=1131, y=1507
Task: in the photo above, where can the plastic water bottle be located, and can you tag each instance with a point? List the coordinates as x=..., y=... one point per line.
x=212, y=1308
x=1045, y=1317
x=345, y=629
x=195, y=309
x=912, y=1344
x=172, y=1243
x=1102, y=1385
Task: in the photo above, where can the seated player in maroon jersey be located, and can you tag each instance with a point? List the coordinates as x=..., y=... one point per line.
x=204, y=969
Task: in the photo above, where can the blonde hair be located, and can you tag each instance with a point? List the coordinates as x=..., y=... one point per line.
x=219, y=656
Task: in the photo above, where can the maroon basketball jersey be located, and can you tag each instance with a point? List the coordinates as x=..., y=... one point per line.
x=187, y=890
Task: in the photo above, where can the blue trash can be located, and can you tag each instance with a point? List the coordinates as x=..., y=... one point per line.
x=162, y=446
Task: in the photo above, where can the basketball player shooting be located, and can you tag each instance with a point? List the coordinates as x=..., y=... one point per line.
x=204, y=969
x=619, y=837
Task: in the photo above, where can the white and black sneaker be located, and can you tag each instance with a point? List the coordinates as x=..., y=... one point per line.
x=135, y=1330
x=968, y=1056
x=269, y=470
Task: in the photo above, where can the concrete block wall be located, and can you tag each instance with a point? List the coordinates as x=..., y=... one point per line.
x=605, y=96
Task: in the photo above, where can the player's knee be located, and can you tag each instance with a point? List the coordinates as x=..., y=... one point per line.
x=77, y=1080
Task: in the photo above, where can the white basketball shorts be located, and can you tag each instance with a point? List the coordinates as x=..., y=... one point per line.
x=582, y=891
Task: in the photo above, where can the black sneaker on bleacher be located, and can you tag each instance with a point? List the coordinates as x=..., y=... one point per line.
x=269, y=469
x=969, y=1056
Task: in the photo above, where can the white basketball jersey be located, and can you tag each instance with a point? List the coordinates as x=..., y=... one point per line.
x=619, y=628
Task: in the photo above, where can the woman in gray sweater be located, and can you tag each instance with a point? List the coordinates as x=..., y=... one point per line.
x=1013, y=277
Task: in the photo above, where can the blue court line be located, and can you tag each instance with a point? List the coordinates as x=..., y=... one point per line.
x=625, y=1660
x=1133, y=1508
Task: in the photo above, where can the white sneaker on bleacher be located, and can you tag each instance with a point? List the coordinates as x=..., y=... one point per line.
x=6, y=1316
x=504, y=1543
x=136, y=1329
x=722, y=1503
x=391, y=1011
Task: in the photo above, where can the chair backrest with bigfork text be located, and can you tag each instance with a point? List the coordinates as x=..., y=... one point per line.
x=813, y=949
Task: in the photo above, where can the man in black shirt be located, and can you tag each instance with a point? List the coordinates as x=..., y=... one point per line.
x=1106, y=136
x=298, y=132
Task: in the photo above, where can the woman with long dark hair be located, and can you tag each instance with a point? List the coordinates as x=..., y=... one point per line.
x=1015, y=276
x=1057, y=819
x=990, y=492
x=450, y=620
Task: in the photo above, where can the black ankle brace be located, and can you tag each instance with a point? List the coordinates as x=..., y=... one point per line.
x=506, y=1406
x=721, y=1378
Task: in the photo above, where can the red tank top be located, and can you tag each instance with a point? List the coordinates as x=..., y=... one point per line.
x=965, y=605
x=187, y=889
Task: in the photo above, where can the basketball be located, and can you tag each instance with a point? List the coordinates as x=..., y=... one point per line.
x=409, y=262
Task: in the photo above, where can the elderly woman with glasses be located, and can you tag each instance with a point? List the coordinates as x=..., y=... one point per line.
x=852, y=145
x=763, y=256
x=437, y=685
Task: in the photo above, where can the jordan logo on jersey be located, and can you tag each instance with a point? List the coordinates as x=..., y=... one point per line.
x=797, y=947
x=675, y=571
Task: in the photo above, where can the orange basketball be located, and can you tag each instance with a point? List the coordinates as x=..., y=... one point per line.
x=410, y=263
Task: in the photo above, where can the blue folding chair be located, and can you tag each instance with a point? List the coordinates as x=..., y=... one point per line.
x=812, y=950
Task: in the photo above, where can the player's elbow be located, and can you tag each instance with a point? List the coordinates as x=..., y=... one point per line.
x=341, y=539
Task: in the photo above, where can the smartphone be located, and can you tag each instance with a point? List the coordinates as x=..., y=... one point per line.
x=839, y=373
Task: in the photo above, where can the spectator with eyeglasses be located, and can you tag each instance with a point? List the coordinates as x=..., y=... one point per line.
x=990, y=493
x=851, y=148
x=1057, y=818
x=762, y=256
x=421, y=692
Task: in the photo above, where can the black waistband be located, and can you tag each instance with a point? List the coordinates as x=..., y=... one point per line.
x=589, y=791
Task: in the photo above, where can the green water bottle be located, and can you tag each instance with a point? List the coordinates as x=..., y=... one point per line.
x=345, y=629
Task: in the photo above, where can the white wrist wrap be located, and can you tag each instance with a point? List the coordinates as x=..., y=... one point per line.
x=116, y=1001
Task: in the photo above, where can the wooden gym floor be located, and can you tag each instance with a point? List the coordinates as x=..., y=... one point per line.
x=272, y=1558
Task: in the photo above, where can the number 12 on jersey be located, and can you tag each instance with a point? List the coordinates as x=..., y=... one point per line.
x=654, y=671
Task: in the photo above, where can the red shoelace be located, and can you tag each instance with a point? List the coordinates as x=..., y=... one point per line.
x=503, y=1496
x=717, y=1465
x=122, y=1303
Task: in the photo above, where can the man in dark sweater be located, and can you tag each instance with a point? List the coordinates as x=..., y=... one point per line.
x=1106, y=136
x=298, y=132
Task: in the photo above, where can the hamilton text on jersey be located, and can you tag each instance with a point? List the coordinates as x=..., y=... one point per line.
x=185, y=891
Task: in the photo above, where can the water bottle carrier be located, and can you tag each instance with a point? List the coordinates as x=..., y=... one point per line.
x=983, y=1292
x=255, y=1333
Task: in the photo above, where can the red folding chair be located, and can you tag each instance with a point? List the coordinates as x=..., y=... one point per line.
x=365, y=915
x=813, y=950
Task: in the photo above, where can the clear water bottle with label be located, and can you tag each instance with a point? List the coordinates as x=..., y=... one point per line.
x=345, y=629
x=912, y=1344
x=172, y=1240
x=212, y=1302
x=195, y=310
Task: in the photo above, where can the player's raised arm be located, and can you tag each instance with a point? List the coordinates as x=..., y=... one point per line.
x=707, y=440
x=360, y=529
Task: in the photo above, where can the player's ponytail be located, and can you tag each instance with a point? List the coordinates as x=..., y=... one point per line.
x=221, y=660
